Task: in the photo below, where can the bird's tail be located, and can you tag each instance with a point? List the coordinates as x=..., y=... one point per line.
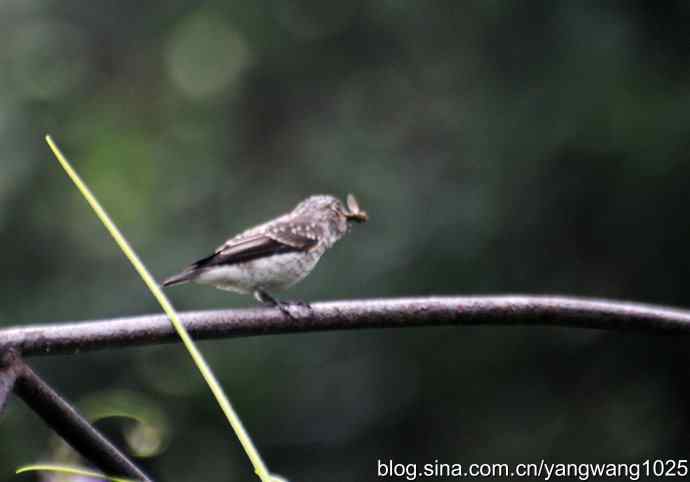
x=184, y=277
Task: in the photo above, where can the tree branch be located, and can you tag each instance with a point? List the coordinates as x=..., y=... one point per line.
x=8, y=375
x=381, y=313
x=70, y=425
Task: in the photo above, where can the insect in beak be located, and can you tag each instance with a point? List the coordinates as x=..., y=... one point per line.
x=355, y=214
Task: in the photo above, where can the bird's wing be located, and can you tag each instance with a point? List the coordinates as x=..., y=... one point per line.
x=277, y=239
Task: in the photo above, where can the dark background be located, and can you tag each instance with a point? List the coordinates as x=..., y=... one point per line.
x=497, y=149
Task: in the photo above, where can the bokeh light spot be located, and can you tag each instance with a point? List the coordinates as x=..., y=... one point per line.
x=206, y=56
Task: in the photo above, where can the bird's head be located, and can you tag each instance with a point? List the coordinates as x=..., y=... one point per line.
x=330, y=209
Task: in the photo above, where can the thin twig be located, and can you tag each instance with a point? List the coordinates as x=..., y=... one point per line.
x=357, y=314
x=71, y=426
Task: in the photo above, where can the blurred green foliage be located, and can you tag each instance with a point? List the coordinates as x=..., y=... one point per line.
x=498, y=147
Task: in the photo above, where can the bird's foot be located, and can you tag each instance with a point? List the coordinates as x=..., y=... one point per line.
x=294, y=309
x=300, y=303
x=285, y=307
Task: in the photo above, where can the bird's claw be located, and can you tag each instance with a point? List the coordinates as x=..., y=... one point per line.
x=283, y=306
x=286, y=308
x=300, y=303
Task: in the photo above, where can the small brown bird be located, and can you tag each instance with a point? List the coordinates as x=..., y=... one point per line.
x=277, y=254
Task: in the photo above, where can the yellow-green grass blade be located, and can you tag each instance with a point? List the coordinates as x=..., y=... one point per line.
x=204, y=368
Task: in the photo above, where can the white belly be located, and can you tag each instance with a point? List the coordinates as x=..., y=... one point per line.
x=276, y=272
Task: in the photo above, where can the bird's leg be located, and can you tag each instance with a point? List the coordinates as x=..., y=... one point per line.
x=262, y=296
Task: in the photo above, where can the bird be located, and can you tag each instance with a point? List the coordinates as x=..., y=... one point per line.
x=277, y=254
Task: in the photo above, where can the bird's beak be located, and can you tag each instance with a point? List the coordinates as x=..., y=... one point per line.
x=358, y=217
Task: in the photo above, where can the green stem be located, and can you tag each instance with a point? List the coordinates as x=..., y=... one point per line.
x=206, y=372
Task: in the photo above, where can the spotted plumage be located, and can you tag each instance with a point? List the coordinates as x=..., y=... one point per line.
x=277, y=254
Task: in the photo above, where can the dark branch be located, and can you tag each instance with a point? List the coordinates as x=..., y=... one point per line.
x=8, y=375
x=70, y=425
x=382, y=313
x=91, y=335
